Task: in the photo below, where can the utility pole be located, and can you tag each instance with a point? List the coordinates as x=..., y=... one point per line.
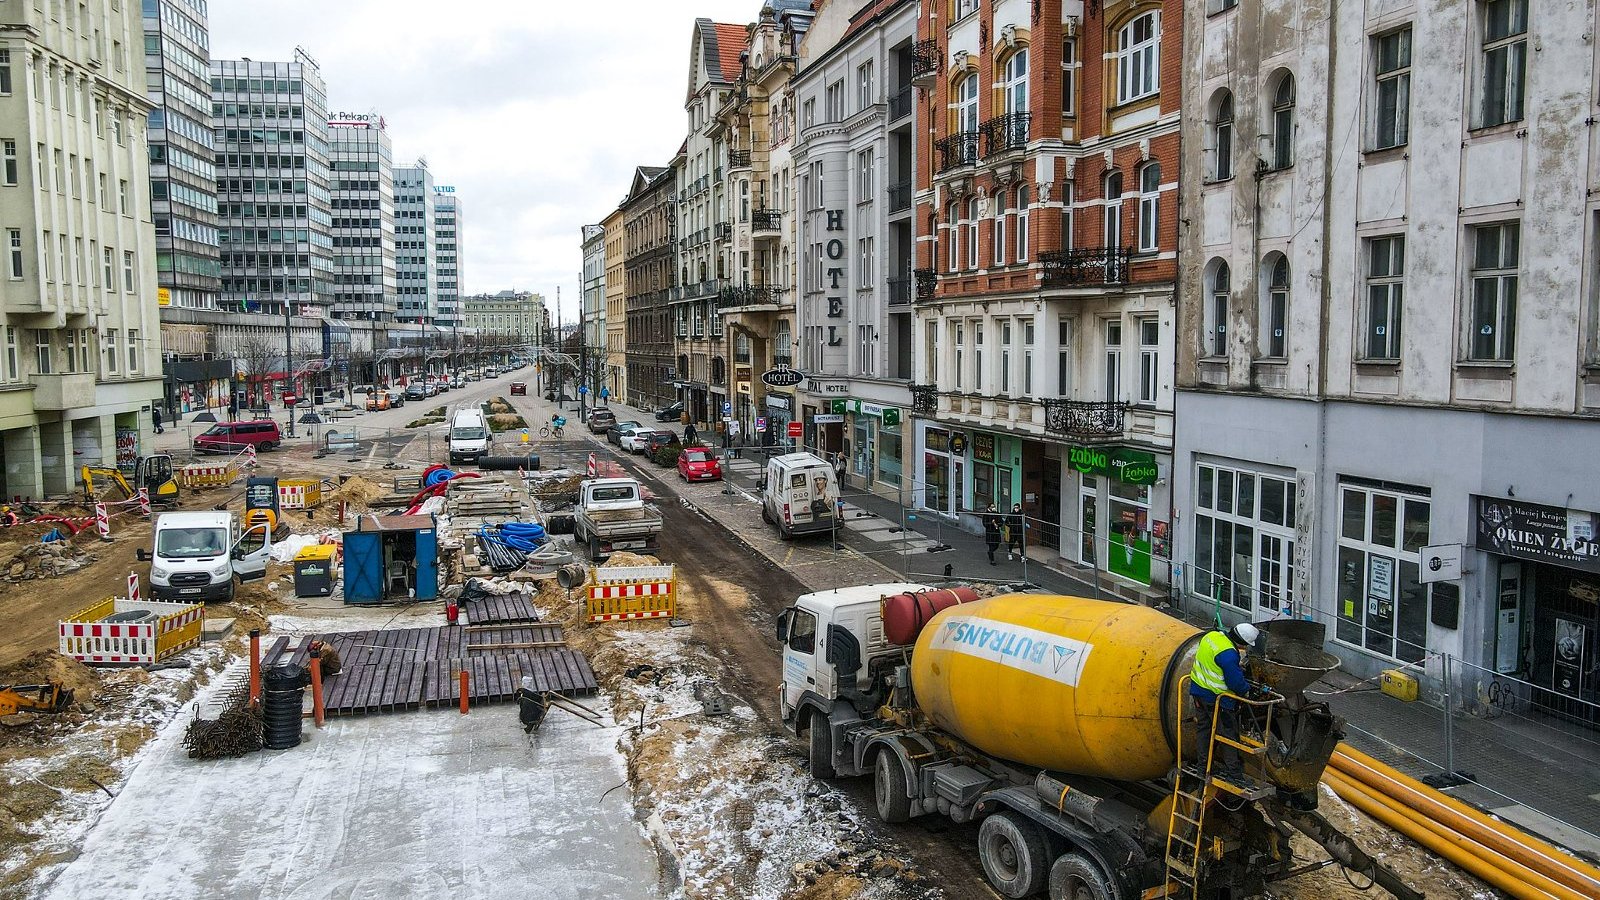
x=288, y=363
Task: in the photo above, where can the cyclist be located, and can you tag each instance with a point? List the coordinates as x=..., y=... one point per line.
x=557, y=423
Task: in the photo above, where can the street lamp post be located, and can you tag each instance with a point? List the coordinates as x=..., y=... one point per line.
x=288, y=364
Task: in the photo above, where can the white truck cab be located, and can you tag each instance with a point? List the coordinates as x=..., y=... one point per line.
x=822, y=633
x=196, y=556
x=469, y=435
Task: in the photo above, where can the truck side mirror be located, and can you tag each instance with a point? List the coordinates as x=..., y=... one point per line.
x=784, y=618
x=141, y=556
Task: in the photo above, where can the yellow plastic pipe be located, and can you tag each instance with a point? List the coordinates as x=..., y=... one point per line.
x=1498, y=836
x=1496, y=870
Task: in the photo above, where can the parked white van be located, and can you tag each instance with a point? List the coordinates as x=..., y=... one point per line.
x=799, y=494
x=197, y=555
x=469, y=435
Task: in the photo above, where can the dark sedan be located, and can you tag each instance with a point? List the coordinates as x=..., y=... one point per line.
x=670, y=413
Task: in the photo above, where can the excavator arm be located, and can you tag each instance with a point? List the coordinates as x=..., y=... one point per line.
x=48, y=698
x=104, y=473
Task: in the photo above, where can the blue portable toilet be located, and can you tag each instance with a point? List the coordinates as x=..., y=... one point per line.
x=391, y=559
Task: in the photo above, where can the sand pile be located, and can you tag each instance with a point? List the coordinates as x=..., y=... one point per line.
x=358, y=491
x=43, y=666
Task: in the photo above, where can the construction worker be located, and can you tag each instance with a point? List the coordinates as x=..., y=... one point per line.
x=324, y=651
x=1219, y=669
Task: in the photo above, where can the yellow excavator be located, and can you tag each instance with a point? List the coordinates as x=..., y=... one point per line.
x=153, y=473
x=48, y=698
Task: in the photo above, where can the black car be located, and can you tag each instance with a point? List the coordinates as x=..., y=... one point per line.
x=670, y=413
x=658, y=439
x=614, y=433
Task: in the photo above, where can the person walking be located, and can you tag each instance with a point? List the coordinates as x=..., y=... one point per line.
x=1015, y=525
x=690, y=435
x=991, y=531
x=1218, y=670
x=155, y=416
x=839, y=467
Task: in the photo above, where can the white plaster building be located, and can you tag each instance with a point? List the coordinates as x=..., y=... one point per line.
x=81, y=349
x=1389, y=329
x=593, y=282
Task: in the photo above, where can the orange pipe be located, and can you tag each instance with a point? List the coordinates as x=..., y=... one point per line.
x=464, y=692
x=255, y=667
x=1493, y=868
x=316, y=691
x=1523, y=848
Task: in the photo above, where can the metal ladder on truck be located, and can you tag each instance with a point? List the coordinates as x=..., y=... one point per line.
x=1194, y=783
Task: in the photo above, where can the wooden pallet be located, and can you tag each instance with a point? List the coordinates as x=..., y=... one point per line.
x=500, y=609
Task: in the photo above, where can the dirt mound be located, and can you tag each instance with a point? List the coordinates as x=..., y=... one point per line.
x=506, y=422
x=41, y=666
x=624, y=558
x=500, y=406
x=358, y=491
x=44, y=561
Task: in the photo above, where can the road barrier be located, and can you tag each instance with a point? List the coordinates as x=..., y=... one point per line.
x=299, y=493
x=621, y=593
x=164, y=630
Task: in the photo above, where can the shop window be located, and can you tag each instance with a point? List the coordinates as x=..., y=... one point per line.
x=1244, y=538
x=1382, y=606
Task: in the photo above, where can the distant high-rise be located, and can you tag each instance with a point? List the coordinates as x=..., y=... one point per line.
x=183, y=174
x=415, y=255
x=447, y=210
x=271, y=138
x=362, y=196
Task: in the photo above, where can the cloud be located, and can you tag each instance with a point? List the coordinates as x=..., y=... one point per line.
x=536, y=110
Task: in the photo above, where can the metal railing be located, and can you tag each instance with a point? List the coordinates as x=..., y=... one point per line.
x=924, y=59
x=738, y=159
x=900, y=196
x=1005, y=133
x=927, y=283
x=900, y=105
x=957, y=150
x=765, y=220
x=1088, y=265
x=1085, y=418
x=899, y=290
x=724, y=231
x=750, y=295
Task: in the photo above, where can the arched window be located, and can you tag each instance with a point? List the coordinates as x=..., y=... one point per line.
x=1275, y=307
x=972, y=233
x=1016, y=94
x=1138, y=58
x=952, y=238
x=1222, y=138
x=1283, y=123
x=1217, y=310
x=1000, y=228
x=1149, y=206
x=1113, y=211
x=1022, y=224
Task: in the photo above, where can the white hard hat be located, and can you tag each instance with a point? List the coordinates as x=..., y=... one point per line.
x=1244, y=633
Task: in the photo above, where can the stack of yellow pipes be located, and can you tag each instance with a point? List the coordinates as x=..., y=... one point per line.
x=1500, y=855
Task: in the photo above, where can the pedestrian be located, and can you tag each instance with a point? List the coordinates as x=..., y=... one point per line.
x=155, y=416
x=233, y=410
x=724, y=435
x=839, y=466
x=1014, y=528
x=733, y=431
x=690, y=435
x=1215, y=680
x=991, y=531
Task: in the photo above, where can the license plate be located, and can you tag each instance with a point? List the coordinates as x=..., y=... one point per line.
x=627, y=545
x=188, y=590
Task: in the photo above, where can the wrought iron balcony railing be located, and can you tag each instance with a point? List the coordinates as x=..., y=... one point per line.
x=1084, y=418
x=724, y=231
x=765, y=220
x=927, y=280
x=1007, y=132
x=738, y=159
x=1088, y=265
x=899, y=290
x=924, y=59
x=900, y=105
x=899, y=196
x=750, y=295
x=957, y=150
x=924, y=399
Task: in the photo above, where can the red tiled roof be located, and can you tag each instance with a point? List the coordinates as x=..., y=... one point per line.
x=730, y=43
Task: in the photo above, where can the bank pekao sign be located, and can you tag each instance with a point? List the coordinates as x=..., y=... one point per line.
x=1125, y=465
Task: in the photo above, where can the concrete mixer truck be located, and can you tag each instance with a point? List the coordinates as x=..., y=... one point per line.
x=1060, y=725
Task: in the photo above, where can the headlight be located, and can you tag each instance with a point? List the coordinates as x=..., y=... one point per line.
x=158, y=572
x=220, y=571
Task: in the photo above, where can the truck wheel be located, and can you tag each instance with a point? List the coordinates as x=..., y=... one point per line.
x=820, y=742
x=1013, y=855
x=1076, y=877
x=889, y=788
x=765, y=515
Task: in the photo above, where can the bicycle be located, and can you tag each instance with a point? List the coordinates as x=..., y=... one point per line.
x=552, y=431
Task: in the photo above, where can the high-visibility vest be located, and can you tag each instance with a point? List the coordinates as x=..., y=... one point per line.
x=1207, y=673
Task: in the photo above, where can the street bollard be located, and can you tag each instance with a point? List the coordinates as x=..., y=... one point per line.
x=464, y=694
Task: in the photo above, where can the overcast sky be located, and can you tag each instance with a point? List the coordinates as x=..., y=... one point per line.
x=536, y=110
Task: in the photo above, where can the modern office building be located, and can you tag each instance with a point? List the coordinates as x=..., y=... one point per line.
x=81, y=366
x=416, y=254
x=447, y=223
x=362, y=197
x=650, y=270
x=1389, y=371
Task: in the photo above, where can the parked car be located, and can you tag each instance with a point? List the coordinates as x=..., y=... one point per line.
x=377, y=401
x=397, y=398
x=670, y=413
x=699, y=464
x=231, y=437
x=601, y=421
x=635, y=439
x=659, y=438
x=416, y=390
x=519, y=389
x=456, y=381
x=614, y=433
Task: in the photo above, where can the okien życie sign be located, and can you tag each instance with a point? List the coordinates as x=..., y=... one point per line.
x=1125, y=465
x=1565, y=537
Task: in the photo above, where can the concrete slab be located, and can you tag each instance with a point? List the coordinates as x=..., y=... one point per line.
x=216, y=628
x=418, y=804
x=865, y=525
x=1573, y=839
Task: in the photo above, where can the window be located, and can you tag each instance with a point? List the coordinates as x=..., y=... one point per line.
x=1063, y=358
x=1149, y=206
x=1244, y=528
x=1275, y=308
x=836, y=101
x=1027, y=358
x=865, y=338
x=967, y=105
x=864, y=175
x=864, y=95
x=1283, y=123
x=1496, y=250
x=1016, y=93
x=1386, y=269
x=1022, y=224
x=13, y=373
x=1381, y=603
x=60, y=183
x=1138, y=69
x=953, y=238
x=1069, y=78
x=133, y=351
x=108, y=257
x=1000, y=227
x=122, y=196
x=808, y=112
x=14, y=245
x=1112, y=215
x=1149, y=359
x=959, y=341
x=864, y=262
x=10, y=150
x=1068, y=219
x=1505, y=59
x=1113, y=360
x=965, y=8
x=41, y=348
x=127, y=271
x=972, y=233
x=109, y=340
x=1005, y=356
x=977, y=356
x=1217, y=311
x=5, y=72
x=1392, y=111
x=1222, y=139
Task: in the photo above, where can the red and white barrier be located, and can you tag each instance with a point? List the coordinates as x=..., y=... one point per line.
x=133, y=587
x=594, y=465
x=144, y=502
x=102, y=520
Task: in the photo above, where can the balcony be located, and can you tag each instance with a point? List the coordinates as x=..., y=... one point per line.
x=957, y=150
x=1086, y=419
x=900, y=196
x=767, y=221
x=927, y=280
x=900, y=105
x=750, y=295
x=924, y=60
x=738, y=159
x=782, y=359
x=1002, y=134
x=58, y=392
x=724, y=231
x=924, y=399
x=1087, y=266
x=899, y=290
x=742, y=357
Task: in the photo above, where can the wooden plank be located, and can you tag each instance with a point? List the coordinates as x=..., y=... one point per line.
x=273, y=651
x=516, y=645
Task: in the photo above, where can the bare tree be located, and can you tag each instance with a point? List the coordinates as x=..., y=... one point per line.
x=256, y=356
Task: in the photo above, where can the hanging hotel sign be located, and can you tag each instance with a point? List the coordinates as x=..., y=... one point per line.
x=1126, y=465
x=782, y=377
x=1565, y=537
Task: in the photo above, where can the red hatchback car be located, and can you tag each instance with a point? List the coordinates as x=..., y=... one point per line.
x=699, y=464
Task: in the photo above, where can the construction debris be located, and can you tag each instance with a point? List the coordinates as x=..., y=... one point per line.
x=234, y=732
x=44, y=561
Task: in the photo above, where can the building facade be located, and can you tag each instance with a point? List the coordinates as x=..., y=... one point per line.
x=853, y=162
x=505, y=322
x=81, y=368
x=593, y=304
x=649, y=269
x=362, y=198
x=447, y=224
x=1368, y=388
x=415, y=248
x=615, y=376
x=1045, y=291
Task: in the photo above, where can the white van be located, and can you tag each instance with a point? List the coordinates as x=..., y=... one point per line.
x=799, y=494
x=469, y=435
x=197, y=555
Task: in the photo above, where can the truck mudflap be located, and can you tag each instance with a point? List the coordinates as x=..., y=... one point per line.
x=1113, y=848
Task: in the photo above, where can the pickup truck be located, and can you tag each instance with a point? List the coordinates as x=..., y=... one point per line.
x=612, y=515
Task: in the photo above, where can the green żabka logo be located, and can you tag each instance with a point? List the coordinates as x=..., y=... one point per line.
x=1087, y=459
x=1138, y=472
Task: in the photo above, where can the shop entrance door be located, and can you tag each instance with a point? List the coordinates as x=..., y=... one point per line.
x=1088, y=498
x=1508, y=619
x=1050, y=505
